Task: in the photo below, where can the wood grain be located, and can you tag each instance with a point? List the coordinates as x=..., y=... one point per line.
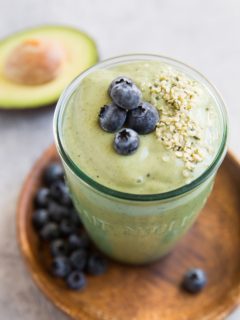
x=151, y=292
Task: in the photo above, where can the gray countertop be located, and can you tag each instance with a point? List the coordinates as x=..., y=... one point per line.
x=205, y=34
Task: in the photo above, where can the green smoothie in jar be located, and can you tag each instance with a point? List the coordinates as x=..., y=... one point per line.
x=135, y=207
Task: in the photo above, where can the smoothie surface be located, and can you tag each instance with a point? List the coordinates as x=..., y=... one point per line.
x=183, y=145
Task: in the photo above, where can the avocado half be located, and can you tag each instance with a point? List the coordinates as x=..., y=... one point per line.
x=81, y=54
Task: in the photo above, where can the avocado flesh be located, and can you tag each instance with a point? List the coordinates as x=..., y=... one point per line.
x=81, y=54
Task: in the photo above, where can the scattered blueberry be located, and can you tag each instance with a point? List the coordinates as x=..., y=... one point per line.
x=126, y=141
x=66, y=227
x=50, y=231
x=40, y=218
x=42, y=198
x=57, y=212
x=59, y=191
x=61, y=267
x=78, y=259
x=76, y=280
x=143, y=119
x=96, y=264
x=54, y=172
x=194, y=280
x=76, y=241
x=75, y=218
x=85, y=241
x=58, y=223
x=125, y=93
x=58, y=248
x=111, y=117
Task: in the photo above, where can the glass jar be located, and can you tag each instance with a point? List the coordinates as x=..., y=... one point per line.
x=136, y=228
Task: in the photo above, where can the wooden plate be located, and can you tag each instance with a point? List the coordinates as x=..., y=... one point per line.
x=152, y=292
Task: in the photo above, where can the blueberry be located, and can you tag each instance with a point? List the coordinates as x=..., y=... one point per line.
x=194, y=280
x=66, y=227
x=75, y=218
x=76, y=280
x=42, y=198
x=78, y=259
x=54, y=172
x=59, y=192
x=117, y=81
x=50, y=231
x=58, y=247
x=61, y=267
x=75, y=241
x=57, y=212
x=111, y=117
x=85, y=241
x=125, y=93
x=96, y=264
x=143, y=119
x=126, y=141
x=40, y=218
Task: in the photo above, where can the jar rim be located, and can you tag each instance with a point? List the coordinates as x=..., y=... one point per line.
x=65, y=96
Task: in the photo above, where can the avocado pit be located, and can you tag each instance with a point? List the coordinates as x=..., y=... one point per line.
x=34, y=62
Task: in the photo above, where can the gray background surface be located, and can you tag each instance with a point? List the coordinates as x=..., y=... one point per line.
x=205, y=34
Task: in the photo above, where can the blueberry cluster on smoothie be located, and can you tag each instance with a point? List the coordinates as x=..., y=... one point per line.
x=128, y=111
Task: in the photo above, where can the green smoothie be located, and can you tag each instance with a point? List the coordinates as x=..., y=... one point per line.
x=154, y=168
x=136, y=207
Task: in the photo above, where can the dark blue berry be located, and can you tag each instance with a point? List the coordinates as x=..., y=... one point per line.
x=194, y=280
x=125, y=93
x=76, y=280
x=74, y=242
x=50, y=231
x=58, y=247
x=61, y=267
x=75, y=218
x=54, y=172
x=66, y=227
x=143, y=119
x=111, y=117
x=96, y=264
x=77, y=241
x=85, y=241
x=60, y=193
x=78, y=259
x=42, y=198
x=57, y=212
x=126, y=141
x=40, y=218
x=117, y=81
